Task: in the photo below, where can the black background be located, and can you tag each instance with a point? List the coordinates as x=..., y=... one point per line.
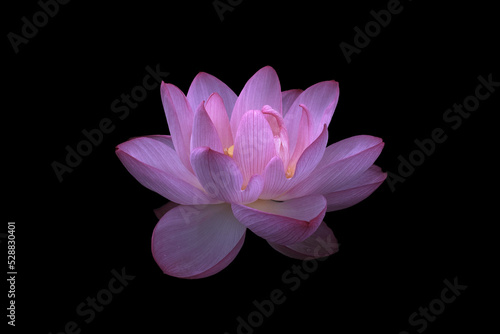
x=397, y=247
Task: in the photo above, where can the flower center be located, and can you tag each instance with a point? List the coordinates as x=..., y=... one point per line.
x=229, y=151
x=290, y=171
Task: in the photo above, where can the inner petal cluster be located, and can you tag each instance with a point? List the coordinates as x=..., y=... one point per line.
x=253, y=136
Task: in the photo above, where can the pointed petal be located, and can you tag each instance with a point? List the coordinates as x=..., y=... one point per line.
x=217, y=112
x=204, y=131
x=276, y=182
x=348, y=147
x=179, y=118
x=204, y=85
x=320, y=244
x=287, y=98
x=157, y=167
x=300, y=128
x=196, y=245
x=221, y=178
x=303, y=140
x=263, y=88
x=280, y=134
x=165, y=139
x=341, y=163
x=354, y=192
x=156, y=151
x=285, y=222
x=321, y=99
x=254, y=144
x=312, y=155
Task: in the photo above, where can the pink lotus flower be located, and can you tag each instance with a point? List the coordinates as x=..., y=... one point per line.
x=258, y=161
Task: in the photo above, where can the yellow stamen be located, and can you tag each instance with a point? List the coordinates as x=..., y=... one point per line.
x=229, y=151
x=289, y=172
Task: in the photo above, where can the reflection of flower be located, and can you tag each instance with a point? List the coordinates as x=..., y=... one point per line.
x=256, y=161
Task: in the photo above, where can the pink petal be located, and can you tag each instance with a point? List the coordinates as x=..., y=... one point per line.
x=204, y=85
x=204, y=131
x=222, y=263
x=191, y=242
x=348, y=147
x=179, y=118
x=280, y=134
x=341, y=163
x=357, y=190
x=263, y=88
x=321, y=100
x=253, y=145
x=303, y=137
x=157, y=167
x=285, y=222
x=156, y=151
x=320, y=244
x=165, y=139
x=162, y=210
x=217, y=112
x=300, y=127
x=220, y=177
x=312, y=155
x=287, y=98
x=275, y=181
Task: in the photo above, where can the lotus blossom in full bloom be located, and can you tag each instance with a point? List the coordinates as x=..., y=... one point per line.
x=259, y=161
